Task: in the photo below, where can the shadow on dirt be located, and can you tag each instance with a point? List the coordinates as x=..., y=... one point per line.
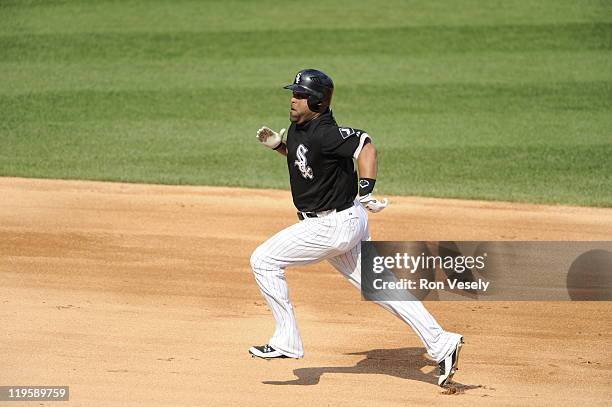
x=405, y=363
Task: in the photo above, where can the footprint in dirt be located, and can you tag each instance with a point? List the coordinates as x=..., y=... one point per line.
x=458, y=388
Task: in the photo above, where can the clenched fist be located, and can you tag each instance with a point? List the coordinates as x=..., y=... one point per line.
x=269, y=137
x=372, y=204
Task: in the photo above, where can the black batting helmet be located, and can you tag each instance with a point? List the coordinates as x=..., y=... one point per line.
x=317, y=85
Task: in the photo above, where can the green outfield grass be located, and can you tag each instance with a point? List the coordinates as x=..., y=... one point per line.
x=502, y=100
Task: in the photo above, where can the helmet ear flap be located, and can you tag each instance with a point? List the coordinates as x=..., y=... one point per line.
x=314, y=103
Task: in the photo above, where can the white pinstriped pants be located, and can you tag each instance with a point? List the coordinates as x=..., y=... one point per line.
x=335, y=238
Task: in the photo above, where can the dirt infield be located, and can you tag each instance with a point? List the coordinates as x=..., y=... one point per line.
x=139, y=295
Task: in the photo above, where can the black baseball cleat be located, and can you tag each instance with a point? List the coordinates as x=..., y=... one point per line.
x=266, y=352
x=448, y=365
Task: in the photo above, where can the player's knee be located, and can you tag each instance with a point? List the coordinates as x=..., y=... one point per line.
x=254, y=260
x=263, y=265
x=258, y=260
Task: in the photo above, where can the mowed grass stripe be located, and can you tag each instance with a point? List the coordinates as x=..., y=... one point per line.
x=381, y=41
x=177, y=154
x=222, y=103
x=543, y=173
x=86, y=16
x=495, y=68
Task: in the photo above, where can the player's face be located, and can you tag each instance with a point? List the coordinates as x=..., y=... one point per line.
x=300, y=112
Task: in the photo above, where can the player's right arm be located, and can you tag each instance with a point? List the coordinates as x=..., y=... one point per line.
x=272, y=139
x=282, y=148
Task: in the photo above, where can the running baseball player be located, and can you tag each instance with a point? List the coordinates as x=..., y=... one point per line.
x=332, y=204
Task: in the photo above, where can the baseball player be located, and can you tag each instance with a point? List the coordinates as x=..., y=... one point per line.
x=332, y=204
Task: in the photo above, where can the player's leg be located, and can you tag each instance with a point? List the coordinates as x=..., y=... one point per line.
x=438, y=342
x=303, y=243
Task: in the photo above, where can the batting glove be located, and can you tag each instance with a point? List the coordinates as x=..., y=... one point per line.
x=269, y=137
x=372, y=204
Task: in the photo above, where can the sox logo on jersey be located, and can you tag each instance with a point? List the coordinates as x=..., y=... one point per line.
x=302, y=162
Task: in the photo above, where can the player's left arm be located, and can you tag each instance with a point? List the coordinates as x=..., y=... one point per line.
x=347, y=142
x=367, y=163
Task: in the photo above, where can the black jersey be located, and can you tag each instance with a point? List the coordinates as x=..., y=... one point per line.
x=320, y=160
